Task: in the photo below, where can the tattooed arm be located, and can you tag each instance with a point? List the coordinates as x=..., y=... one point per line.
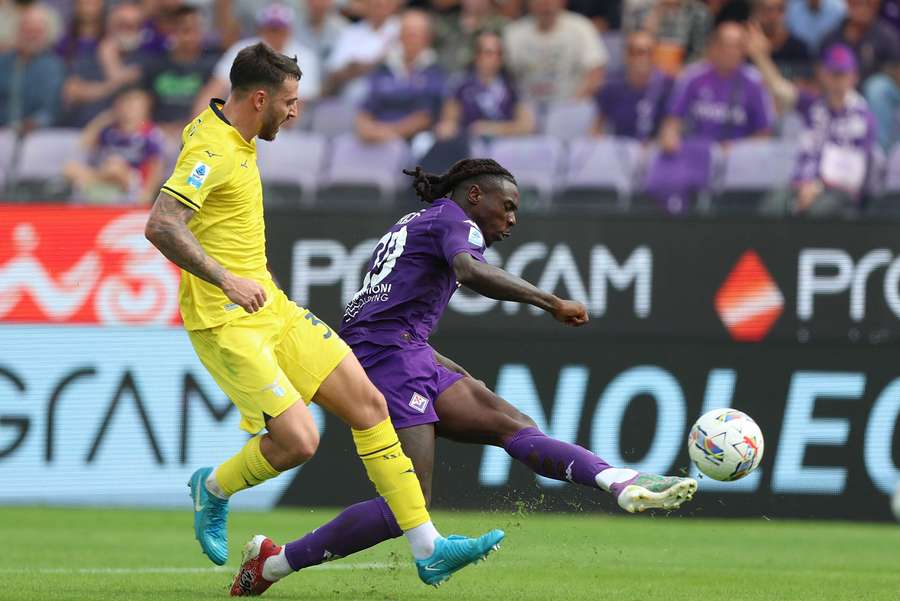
x=167, y=230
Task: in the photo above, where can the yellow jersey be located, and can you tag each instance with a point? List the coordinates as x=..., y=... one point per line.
x=216, y=175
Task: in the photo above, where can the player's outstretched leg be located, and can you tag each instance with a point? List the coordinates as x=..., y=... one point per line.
x=357, y=528
x=634, y=492
x=348, y=393
x=470, y=412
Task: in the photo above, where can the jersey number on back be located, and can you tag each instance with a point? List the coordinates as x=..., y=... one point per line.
x=387, y=251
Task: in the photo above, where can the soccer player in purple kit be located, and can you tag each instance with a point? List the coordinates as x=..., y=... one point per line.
x=415, y=269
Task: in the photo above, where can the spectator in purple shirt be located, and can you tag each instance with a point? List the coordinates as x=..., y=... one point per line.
x=485, y=102
x=632, y=103
x=836, y=144
x=84, y=32
x=95, y=78
x=873, y=41
x=124, y=153
x=721, y=99
x=159, y=23
x=405, y=91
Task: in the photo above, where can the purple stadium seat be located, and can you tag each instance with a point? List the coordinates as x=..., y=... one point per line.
x=290, y=167
x=45, y=152
x=752, y=170
x=535, y=162
x=569, y=120
x=38, y=174
x=333, y=117
x=790, y=125
x=600, y=171
x=356, y=165
x=758, y=164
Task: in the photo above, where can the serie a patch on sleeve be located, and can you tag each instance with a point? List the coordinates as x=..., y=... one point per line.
x=475, y=236
x=198, y=175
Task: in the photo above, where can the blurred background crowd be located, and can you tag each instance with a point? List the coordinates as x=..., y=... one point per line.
x=770, y=107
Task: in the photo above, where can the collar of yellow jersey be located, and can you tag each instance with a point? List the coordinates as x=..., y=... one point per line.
x=214, y=104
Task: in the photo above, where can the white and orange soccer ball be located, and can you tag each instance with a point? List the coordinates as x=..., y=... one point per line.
x=726, y=444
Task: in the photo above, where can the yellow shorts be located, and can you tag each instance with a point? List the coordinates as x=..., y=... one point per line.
x=268, y=360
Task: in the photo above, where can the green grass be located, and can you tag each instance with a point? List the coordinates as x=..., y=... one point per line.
x=61, y=555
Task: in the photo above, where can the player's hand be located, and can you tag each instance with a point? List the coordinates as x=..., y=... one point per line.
x=245, y=293
x=571, y=313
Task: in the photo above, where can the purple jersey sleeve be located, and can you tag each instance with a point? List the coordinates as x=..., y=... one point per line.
x=454, y=236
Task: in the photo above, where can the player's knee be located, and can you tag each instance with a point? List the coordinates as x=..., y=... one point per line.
x=302, y=448
x=372, y=408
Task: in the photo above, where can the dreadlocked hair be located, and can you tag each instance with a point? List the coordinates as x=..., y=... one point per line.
x=429, y=187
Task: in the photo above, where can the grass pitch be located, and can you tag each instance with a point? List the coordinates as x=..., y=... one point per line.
x=95, y=555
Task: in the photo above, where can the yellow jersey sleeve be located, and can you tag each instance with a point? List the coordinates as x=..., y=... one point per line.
x=200, y=169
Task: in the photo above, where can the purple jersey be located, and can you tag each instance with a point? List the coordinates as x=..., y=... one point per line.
x=634, y=112
x=835, y=146
x=394, y=95
x=409, y=282
x=479, y=101
x=718, y=108
x=410, y=278
x=135, y=147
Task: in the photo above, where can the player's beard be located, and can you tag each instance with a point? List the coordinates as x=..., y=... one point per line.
x=269, y=128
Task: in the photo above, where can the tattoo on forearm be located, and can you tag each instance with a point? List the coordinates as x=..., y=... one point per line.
x=168, y=231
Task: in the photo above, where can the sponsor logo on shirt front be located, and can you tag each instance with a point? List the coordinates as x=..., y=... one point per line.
x=198, y=175
x=418, y=402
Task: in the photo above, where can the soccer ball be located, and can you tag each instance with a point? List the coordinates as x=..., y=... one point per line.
x=726, y=444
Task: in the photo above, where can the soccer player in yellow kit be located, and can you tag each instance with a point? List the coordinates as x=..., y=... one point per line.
x=268, y=355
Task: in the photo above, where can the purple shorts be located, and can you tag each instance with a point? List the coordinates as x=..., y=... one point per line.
x=409, y=378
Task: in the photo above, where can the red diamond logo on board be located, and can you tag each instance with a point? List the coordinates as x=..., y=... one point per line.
x=749, y=301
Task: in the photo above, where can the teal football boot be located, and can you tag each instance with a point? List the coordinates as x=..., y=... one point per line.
x=210, y=518
x=455, y=552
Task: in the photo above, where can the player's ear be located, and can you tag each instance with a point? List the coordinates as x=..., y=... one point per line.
x=474, y=194
x=260, y=97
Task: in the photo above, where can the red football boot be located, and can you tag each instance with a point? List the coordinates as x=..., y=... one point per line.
x=249, y=581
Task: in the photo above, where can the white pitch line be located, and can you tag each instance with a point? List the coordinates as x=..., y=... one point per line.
x=170, y=570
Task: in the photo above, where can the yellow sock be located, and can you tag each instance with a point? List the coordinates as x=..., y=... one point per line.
x=245, y=469
x=391, y=471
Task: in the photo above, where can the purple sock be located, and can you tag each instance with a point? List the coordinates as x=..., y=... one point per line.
x=554, y=458
x=358, y=527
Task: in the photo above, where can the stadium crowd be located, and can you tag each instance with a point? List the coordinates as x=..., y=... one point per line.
x=769, y=106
